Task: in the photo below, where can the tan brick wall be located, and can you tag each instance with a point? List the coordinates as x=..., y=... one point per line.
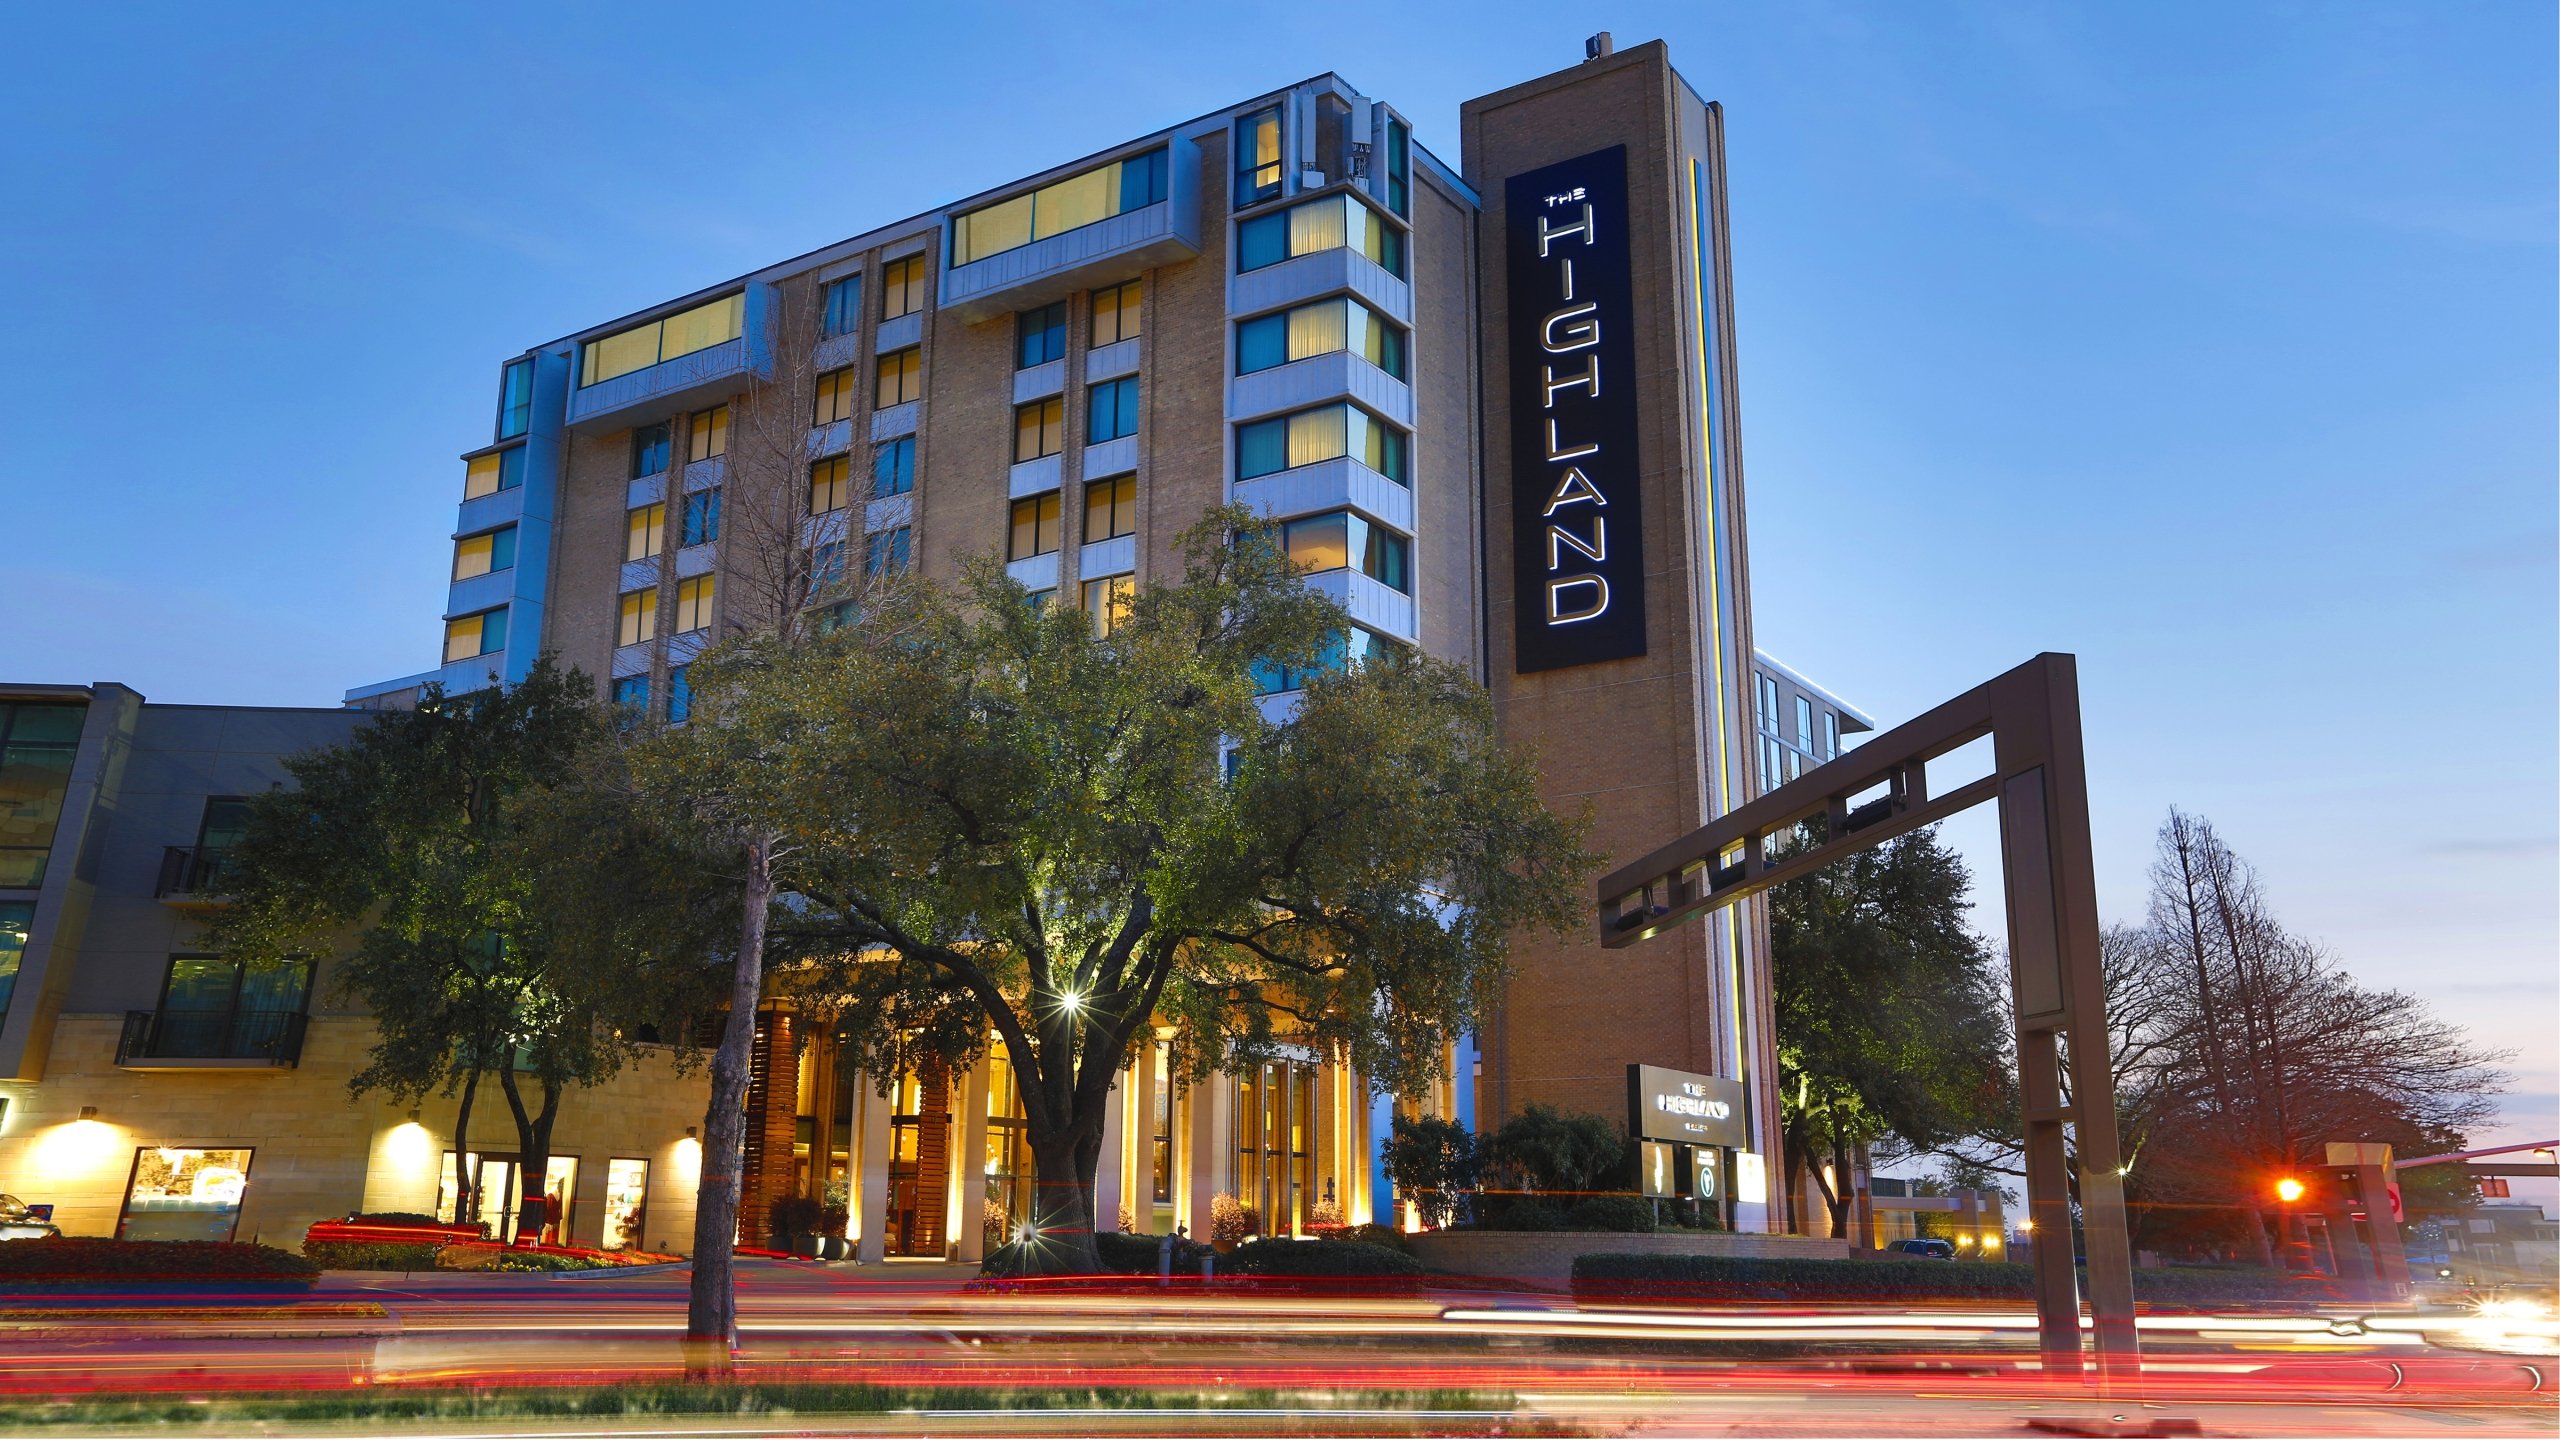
x=1548, y=1258
x=1448, y=492
x=318, y=1153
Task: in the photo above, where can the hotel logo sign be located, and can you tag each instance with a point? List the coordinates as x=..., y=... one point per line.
x=1695, y=1109
x=1577, y=544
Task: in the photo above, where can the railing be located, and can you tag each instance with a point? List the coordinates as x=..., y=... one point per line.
x=271, y=1036
x=193, y=870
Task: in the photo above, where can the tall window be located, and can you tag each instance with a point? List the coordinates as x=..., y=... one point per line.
x=1331, y=223
x=1008, y=1157
x=679, y=695
x=1319, y=329
x=901, y=378
x=631, y=700
x=827, y=484
x=17, y=917
x=1111, y=410
x=470, y=635
x=37, y=743
x=1768, y=704
x=1830, y=735
x=639, y=617
x=1258, y=156
x=515, y=399
x=1342, y=650
x=1110, y=509
x=708, y=434
x=1399, y=168
x=184, y=1194
x=650, y=448
x=1035, y=527
x=835, y=396
x=887, y=553
x=693, y=604
x=702, y=516
x=902, y=287
x=1039, y=428
x=1160, y=1123
x=1115, y=188
x=1344, y=541
x=476, y=555
x=644, y=345
x=1107, y=601
x=1266, y=447
x=826, y=565
x=491, y=473
x=1275, y=1163
x=1115, y=314
x=893, y=468
x=647, y=532
x=1041, y=335
x=841, y=306
x=1804, y=722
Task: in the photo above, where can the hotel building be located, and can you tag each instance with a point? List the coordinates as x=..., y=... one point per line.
x=1491, y=409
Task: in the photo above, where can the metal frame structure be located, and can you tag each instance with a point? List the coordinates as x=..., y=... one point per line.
x=2039, y=777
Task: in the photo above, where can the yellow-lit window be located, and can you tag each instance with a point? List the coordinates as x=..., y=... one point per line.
x=1107, y=601
x=693, y=604
x=1039, y=428
x=827, y=484
x=902, y=287
x=835, y=396
x=1115, y=188
x=1115, y=314
x=472, y=555
x=647, y=527
x=485, y=474
x=1035, y=527
x=683, y=333
x=639, y=617
x=461, y=638
x=710, y=433
x=1110, y=509
x=901, y=378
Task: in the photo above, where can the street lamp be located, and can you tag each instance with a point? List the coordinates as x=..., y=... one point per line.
x=2288, y=1190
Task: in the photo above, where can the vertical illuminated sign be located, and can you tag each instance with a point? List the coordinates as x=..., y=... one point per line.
x=1577, y=542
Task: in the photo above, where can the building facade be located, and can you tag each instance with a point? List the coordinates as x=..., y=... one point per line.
x=153, y=1089
x=1492, y=412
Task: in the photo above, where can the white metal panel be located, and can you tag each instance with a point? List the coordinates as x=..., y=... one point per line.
x=1317, y=380
x=1108, y=557
x=1109, y=362
x=1039, y=382
x=1329, y=485
x=1040, y=572
x=896, y=420
x=889, y=514
x=1033, y=476
x=1111, y=457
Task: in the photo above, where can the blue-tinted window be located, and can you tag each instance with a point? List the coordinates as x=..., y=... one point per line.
x=702, y=517
x=1141, y=180
x=493, y=631
x=502, y=549
x=1399, y=168
x=1262, y=342
x=1342, y=649
x=650, y=447
x=631, y=697
x=16, y=919
x=1262, y=240
x=679, y=695
x=843, y=306
x=1044, y=335
x=515, y=399
x=893, y=468
x=1111, y=410
x=888, y=552
x=826, y=565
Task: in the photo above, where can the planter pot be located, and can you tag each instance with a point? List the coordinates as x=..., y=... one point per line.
x=1223, y=1247
x=831, y=1247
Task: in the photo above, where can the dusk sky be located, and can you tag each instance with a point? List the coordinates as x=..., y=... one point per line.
x=2214, y=343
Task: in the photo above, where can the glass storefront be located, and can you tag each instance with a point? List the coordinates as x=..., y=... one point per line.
x=183, y=1194
x=501, y=1194
x=1275, y=1162
x=626, y=1204
x=1008, y=1158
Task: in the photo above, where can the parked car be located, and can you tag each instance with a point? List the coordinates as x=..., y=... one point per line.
x=17, y=1222
x=1924, y=1249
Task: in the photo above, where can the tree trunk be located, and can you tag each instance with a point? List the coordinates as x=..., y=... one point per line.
x=1836, y=1194
x=712, y=1313
x=2258, y=1237
x=1061, y=1209
x=466, y=1194
x=533, y=1146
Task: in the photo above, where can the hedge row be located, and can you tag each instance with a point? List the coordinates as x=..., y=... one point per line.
x=1323, y=1259
x=362, y=1255
x=78, y=1258
x=1733, y=1277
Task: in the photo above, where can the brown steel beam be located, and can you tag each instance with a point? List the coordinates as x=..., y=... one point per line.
x=2057, y=988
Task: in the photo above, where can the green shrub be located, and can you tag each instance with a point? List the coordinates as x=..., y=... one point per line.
x=1322, y=1259
x=1517, y=1212
x=1385, y=1235
x=1558, y=1150
x=368, y=1255
x=1628, y=1214
x=61, y=1257
x=1121, y=1253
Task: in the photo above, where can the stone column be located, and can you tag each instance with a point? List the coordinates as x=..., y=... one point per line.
x=968, y=1232
x=1108, y=1167
x=1141, y=1142
x=1206, y=1160
x=871, y=1152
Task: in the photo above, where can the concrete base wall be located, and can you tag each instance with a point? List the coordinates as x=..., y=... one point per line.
x=1547, y=1257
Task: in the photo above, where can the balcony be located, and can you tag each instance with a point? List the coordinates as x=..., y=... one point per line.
x=685, y=382
x=193, y=877
x=211, y=1039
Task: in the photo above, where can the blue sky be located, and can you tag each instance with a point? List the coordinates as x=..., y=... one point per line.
x=2213, y=343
